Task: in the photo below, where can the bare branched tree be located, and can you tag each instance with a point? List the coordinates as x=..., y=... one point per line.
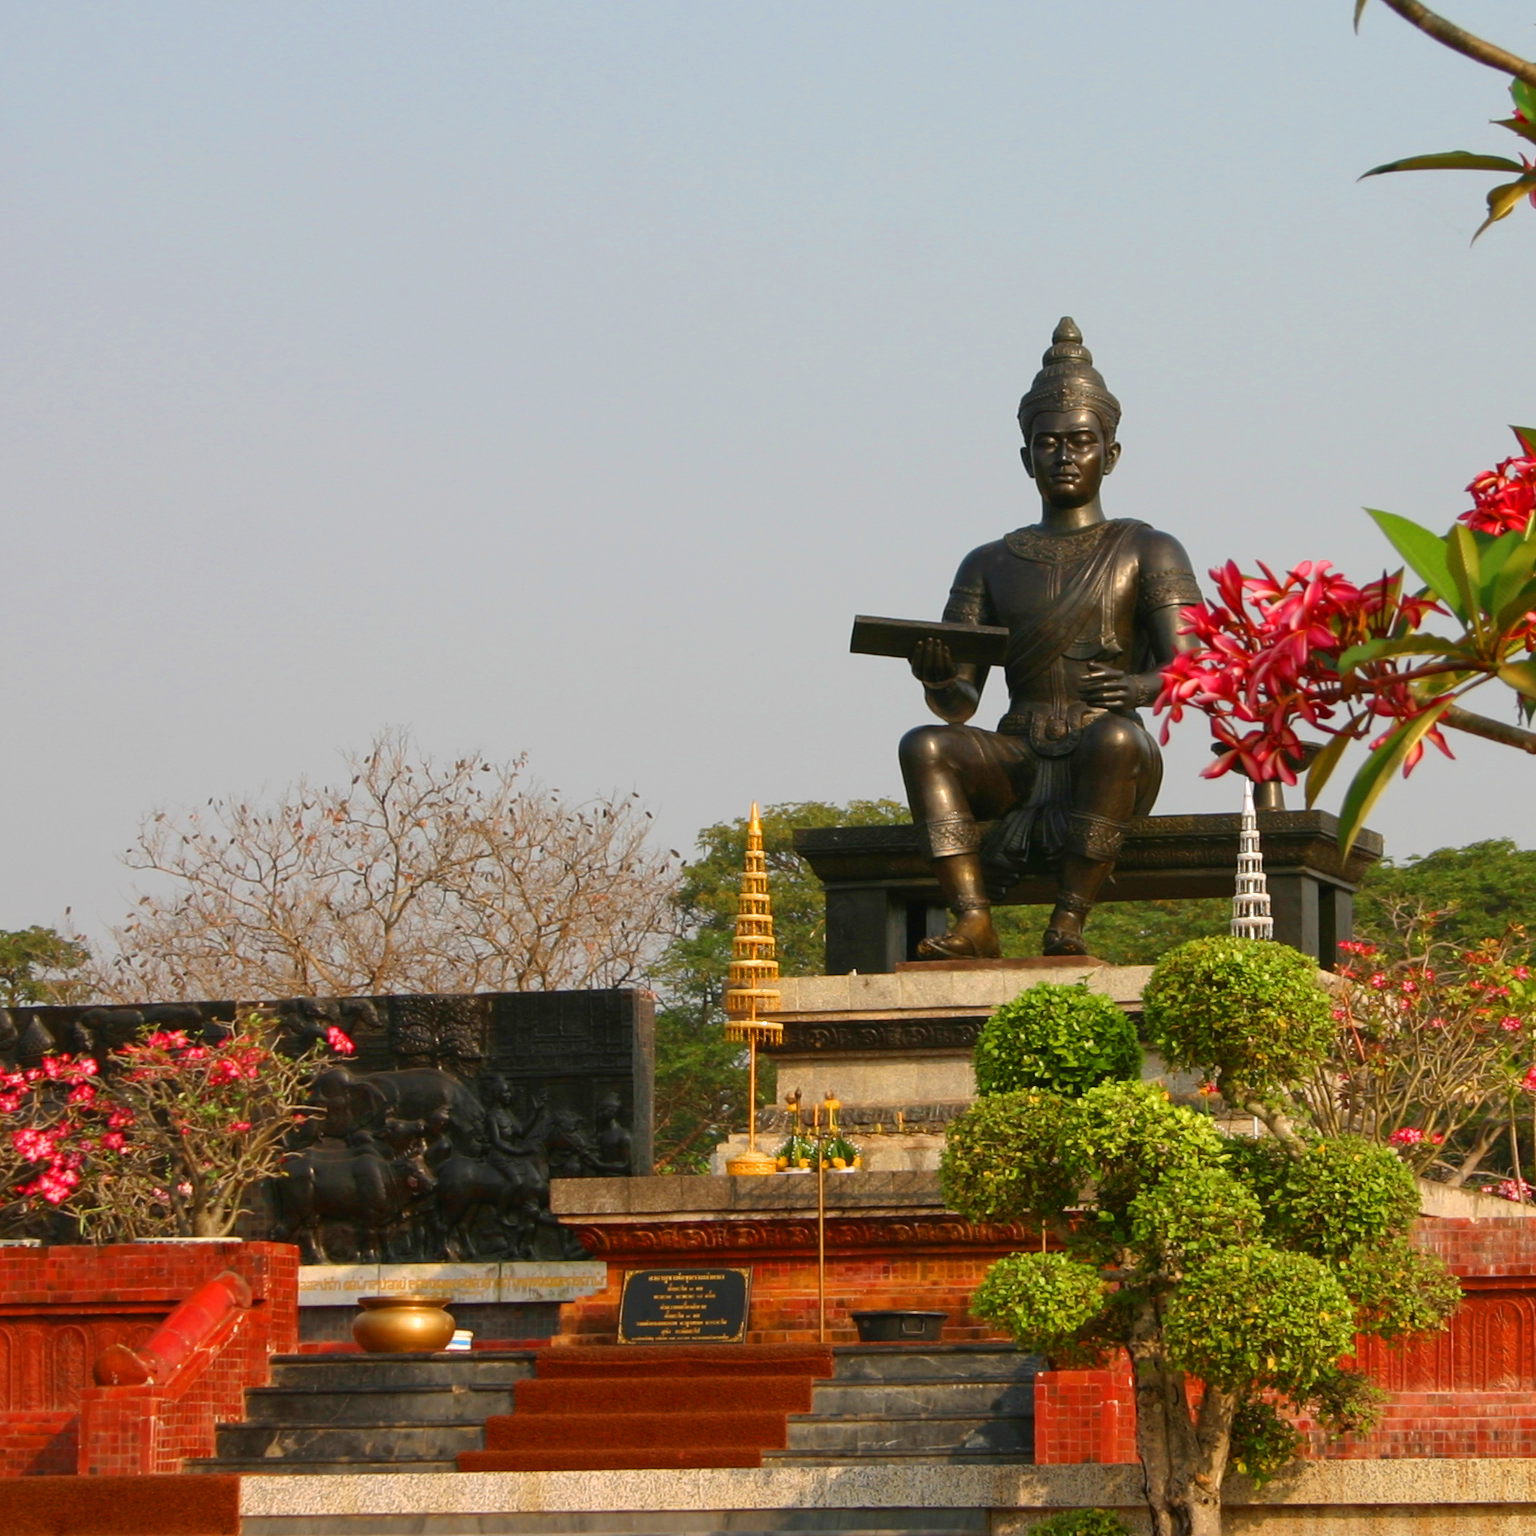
x=413, y=877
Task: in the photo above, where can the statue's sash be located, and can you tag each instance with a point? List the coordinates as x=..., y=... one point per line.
x=1086, y=602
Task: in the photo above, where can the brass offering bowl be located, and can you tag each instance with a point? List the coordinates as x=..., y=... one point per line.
x=392, y=1325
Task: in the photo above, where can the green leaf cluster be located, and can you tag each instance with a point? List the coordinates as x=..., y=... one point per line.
x=1250, y=1014
x=1081, y=1522
x=1044, y=1300
x=1337, y=1195
x=1249, y=1263
x=1507, y=195
x=1123, y=932
x=1005, y=1158
x=1463, y=895
x=1062, y=1038
x=1398, y=1290
x=1264, y=1441
x=1259, y=1316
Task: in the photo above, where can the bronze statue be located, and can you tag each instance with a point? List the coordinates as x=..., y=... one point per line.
x=1091, y=607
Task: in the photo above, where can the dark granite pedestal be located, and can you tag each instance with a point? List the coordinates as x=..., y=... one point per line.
x=882, y=897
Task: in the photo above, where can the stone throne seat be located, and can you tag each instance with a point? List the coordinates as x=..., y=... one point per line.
x=882, y=897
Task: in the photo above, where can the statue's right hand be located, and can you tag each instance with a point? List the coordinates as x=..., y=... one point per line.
x=933, y=665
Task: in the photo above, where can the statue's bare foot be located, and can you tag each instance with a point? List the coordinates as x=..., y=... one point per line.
x=972, y=938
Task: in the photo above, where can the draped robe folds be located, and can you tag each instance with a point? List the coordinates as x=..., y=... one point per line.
x=1080, y=622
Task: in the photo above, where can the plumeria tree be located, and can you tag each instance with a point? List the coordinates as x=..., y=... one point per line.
x=1433, y=1056
x=1312, y=650
x=166, y=1137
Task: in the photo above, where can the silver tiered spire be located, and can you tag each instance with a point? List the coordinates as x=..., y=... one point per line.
x=1250, y=902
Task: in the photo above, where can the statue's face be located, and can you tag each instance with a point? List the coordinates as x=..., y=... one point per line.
x=1068, y=456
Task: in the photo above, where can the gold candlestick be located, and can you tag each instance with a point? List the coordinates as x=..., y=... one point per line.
x=751, y=992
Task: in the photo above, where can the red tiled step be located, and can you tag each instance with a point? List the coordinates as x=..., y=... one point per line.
x=626, y=1431
x=664, y=1457
x=629, y=1360
x=663, y=1394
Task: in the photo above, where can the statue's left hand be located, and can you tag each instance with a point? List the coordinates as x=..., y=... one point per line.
x=1110, y=688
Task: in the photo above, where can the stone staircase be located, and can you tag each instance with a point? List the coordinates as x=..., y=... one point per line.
x=885, y=1404
x=906, y=1403
x=368, y=1413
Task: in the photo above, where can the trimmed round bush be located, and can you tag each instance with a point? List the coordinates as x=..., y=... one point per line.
x=1339, y=1194
x=1259, y=1317
x=1002, y=1158
x=1062, y=1038
x=1042, y=1300
x=1184, y=1220
x=1399, y=1289
x=1249, y=1013
x=1126, y=1137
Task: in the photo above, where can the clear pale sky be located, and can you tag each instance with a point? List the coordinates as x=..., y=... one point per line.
x=562, y=377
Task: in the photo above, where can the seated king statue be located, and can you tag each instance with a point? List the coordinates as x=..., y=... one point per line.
x=1091, y=606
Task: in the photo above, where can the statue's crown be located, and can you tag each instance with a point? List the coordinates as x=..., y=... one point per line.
x=1068, y=381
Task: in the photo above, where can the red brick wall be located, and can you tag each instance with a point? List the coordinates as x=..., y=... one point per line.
x=60, y=1307
x=1468, y=1391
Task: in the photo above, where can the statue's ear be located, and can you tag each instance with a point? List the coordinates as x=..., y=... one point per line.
x=1111, y=457
x=1029, y=469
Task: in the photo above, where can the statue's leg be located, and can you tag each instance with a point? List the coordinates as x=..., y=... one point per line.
x=1116, y=772
x=952, y=779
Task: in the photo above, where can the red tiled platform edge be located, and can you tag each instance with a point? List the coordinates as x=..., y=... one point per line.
x=61, y=1308
x=629, y=1406
x=195, y=1505
x=1467, y=1392
x=927, y=1262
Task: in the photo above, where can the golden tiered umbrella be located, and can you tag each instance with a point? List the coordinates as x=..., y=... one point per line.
x=751, y=992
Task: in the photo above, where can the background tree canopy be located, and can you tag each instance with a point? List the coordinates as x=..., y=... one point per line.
x=41, y=965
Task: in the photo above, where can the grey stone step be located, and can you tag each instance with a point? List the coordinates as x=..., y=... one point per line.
x=341, y=1372
x=917, y=1396
x=347, y=1442
x=955, y=1362
x=372, y=1404
x=912, y=1432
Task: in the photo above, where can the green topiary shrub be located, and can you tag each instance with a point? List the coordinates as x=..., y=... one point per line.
x=1082, y=1522
x=1041, y=1299
x=1256, y=1317
x=1339, y=1194
x=1002, y=1158
x=1264, y=1441
x=1062, y=1038
x=1249, y=1013
x=1399, y=1290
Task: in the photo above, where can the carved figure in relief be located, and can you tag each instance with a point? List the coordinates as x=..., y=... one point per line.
x=615, y=1145
x=351, y=1100
x=1092, y=610
x=354, y=1183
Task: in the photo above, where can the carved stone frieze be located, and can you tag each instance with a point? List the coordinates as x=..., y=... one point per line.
x=868, y=1234
x=875, y=1035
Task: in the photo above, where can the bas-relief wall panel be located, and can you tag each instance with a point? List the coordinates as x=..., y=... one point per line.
x=45, y=1365
x=1489, y=1347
